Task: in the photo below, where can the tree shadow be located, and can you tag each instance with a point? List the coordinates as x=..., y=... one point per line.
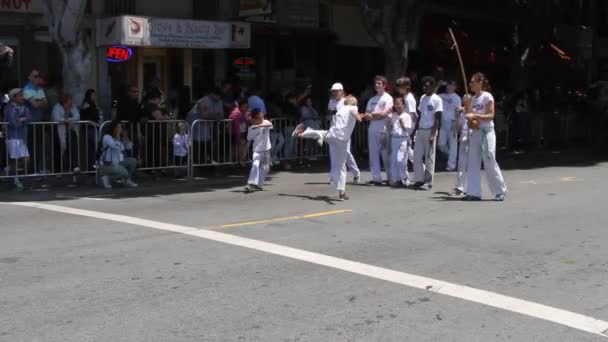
x=326, y=199
x=573, y=156
x=52, y=189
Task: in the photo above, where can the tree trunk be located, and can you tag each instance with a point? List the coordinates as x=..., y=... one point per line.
x=395, y=64
x=64, y=18
x=76, y=70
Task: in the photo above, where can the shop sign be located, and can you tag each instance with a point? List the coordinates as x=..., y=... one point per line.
x=173, y=33
x=118, y=53
x=21, y=6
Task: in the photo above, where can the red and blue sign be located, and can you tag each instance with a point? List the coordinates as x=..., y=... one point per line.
x=118, y=53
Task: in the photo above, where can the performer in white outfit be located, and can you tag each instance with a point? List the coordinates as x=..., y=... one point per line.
x=403, y=87
x=337, y=136
x=335, y=103
x=463, y=146
x=378, y=111
x=482, y=144
x=399, y=128
x=430, y=109
x=259, y=133
x=448, y=134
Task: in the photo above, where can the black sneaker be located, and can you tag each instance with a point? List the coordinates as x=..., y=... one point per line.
x=469, y=198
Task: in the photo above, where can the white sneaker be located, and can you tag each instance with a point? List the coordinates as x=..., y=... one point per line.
x=131, y=184
x=105, y=182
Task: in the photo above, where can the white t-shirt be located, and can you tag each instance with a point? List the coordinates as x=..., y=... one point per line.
x=344, y=123
x=410, y=103
x=212, y=107
x=451, y=102
x=397, y=120
x=376, y=104
x=478, y=106
x=260, y=137
x=429, y=106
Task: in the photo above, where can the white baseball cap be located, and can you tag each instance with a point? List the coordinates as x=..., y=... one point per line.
x=337, y=86
x=14, y=92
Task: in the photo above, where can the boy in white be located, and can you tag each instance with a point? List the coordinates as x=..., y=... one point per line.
x=335, y=103
x=482, y=143
x=403, y=87
x=430, y=109
x=338, y=135
x=259, y=133
x=448, y=134
x=378, y=111
x=400, y=128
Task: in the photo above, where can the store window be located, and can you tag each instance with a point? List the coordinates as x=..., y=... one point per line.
x=9, y=73
x=119, y=7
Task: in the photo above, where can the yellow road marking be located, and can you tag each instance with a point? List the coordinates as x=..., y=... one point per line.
x=280, y=219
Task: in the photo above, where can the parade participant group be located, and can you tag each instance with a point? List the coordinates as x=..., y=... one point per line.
x=463, y=129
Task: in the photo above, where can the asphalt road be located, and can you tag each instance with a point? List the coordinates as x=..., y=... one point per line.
x=69, y=277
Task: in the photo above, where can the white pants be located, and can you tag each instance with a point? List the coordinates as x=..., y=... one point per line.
x=477, y=153
x=448, y=143
x=339, y=155
x=338, y=162
x=377, y=149
x=399, y=158
x=463, y=159
x=351, y=163
x=259, y=168
x=424, y=156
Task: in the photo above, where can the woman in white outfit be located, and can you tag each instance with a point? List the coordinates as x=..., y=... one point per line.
x=338, y=137
x=482, y=143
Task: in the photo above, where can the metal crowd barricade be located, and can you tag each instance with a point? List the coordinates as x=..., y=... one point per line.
x=52, y=149
x=213, y=143
x=157, y=145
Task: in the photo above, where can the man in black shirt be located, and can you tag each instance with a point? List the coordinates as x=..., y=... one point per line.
x=129, y=110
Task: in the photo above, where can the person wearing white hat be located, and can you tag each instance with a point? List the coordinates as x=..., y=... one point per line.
x=335, y=103
x=17, y=114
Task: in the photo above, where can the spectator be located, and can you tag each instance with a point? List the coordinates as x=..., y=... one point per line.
x=207, y=109
x=66, y=115
x=181, y=142
x=51, y=89
x=519, y=123
x=17, y=114
x=238, y=131
x=114, y=164
x=129, y=108
x=89, y=111
x=228, y=98
x=155, y=130
x=309, y=115
x=38, y=106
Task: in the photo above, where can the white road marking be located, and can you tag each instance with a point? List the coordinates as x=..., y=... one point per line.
x=81, y=198
x=548, y=313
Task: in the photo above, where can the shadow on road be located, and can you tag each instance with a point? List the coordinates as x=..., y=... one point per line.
x=326, y=199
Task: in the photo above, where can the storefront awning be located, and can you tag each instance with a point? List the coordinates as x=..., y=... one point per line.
x=173, y=33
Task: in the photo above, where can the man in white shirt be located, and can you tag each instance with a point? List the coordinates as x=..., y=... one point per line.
x=430, y=108
x=335, y=103
x=208, y=110
x=448, y=134
x=379, y=109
